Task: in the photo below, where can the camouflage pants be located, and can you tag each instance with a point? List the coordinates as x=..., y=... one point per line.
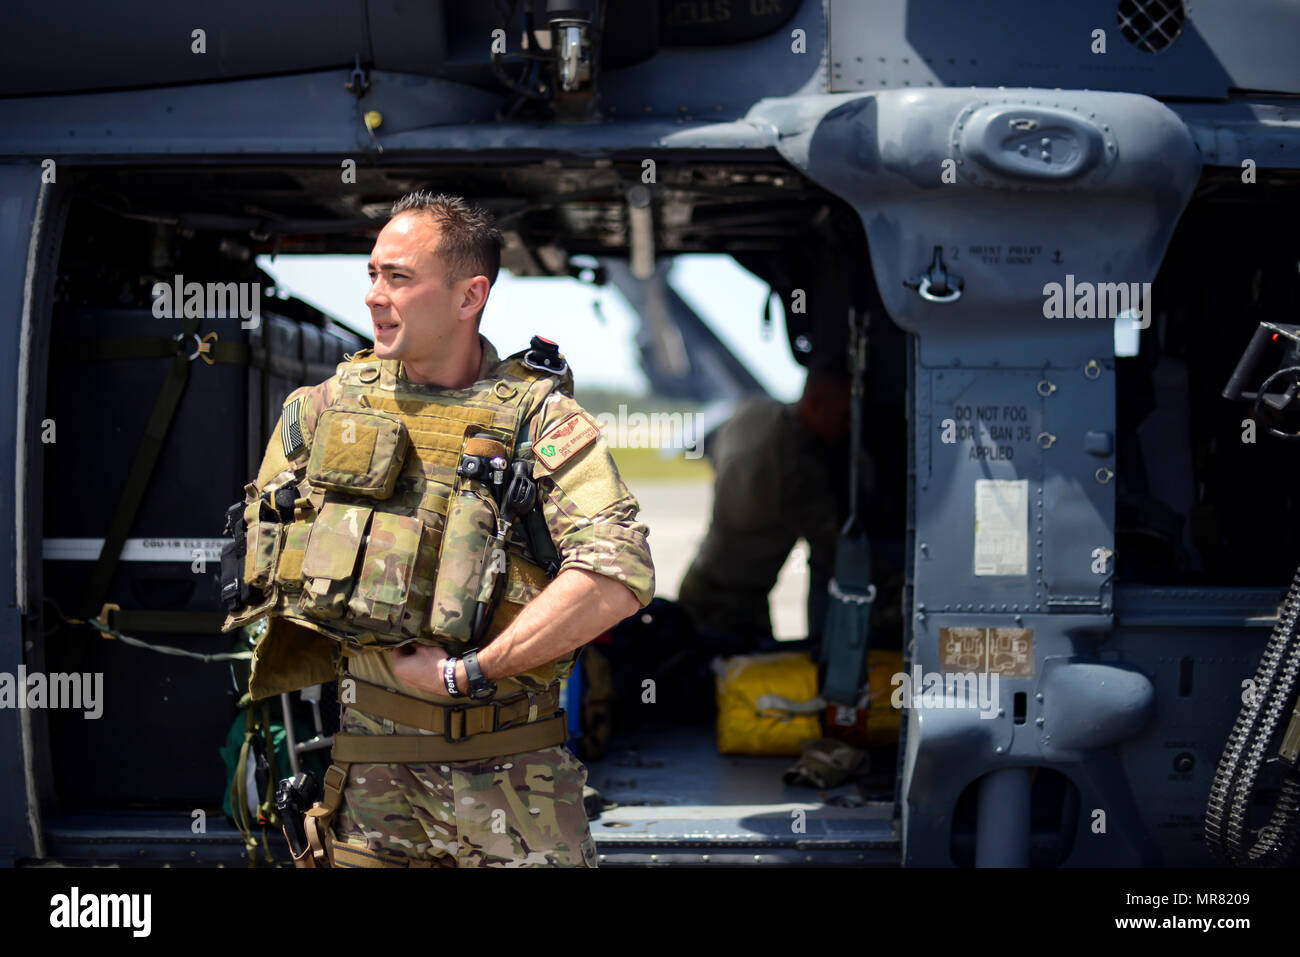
x=519, y=810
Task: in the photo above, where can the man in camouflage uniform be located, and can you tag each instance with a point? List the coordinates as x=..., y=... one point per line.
x=779, y=472
x=431, y=270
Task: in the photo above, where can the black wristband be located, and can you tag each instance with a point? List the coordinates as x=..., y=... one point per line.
x=449, y=678
x=479, y=686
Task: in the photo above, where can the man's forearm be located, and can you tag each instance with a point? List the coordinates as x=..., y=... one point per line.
x=573, y=609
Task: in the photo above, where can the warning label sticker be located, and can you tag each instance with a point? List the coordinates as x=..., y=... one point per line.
x=1001, y=526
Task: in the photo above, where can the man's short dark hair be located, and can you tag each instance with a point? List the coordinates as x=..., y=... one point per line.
x=469, y=243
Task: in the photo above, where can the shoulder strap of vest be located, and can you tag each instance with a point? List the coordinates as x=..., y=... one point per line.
x=541, y=383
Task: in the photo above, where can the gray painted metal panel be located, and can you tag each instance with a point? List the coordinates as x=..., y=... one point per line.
x=1223, y=45
x=108, y=48
x=1261, y=129
x=1112, y=164
x=723, y=81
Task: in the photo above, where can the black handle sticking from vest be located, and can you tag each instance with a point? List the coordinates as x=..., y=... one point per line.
x=285, y=496
x=232, y=559
x=545, y=355
x=521, y=502
x=516, y=500
x=520, y=494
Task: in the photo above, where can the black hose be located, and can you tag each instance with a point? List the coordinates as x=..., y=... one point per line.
x=1236, y=779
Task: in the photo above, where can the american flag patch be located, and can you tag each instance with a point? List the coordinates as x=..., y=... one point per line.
x=291, y=429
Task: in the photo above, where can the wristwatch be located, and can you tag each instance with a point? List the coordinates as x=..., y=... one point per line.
x=479, y=687
x=449, y=678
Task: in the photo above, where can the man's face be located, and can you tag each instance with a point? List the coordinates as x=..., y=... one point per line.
x=416, y=315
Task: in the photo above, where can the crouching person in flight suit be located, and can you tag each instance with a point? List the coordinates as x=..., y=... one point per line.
x=443, y=530
x=780, y=475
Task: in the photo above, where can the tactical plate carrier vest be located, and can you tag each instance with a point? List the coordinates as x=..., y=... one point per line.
x=374, y=539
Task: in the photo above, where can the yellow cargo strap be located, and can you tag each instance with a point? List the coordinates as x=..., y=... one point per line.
x=457, y=721
x=421, y=749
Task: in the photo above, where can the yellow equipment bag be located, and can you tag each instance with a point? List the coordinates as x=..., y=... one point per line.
x=767, y=704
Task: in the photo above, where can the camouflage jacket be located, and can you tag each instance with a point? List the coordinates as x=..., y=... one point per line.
x=588, y=509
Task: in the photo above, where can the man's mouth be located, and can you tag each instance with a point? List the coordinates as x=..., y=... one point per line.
x=384, y=326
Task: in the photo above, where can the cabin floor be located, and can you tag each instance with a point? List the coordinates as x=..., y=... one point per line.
x=669, y=797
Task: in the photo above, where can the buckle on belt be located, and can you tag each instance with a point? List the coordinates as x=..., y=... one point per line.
x=528, y=717
x=448, y=711
x=497, y=723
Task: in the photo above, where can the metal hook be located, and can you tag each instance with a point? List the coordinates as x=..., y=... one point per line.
x=926, y=294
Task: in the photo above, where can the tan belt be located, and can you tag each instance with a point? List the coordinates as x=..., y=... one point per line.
x=456, y=722
x=423, y=748
x=347, y=855
x=527, y=721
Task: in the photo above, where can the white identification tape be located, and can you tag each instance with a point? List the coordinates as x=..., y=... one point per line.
x=135, y=549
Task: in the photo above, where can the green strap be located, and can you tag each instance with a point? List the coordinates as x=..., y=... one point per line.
x=266, y=810
x=146, y=457
x=239, y=787
x=239, y=791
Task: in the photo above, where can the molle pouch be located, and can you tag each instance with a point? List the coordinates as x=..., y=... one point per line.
x=330, y=560
x=292, y=554
x=387, y=598
x=524, y=581
x=262, y=547
x=357, y=452
x=468, y=540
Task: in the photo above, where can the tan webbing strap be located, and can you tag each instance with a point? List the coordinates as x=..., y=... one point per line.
x=420, y=749
x=332, y=786
x=320, y=818
x=484, y=446
x=316, y=822
x=461, y=721
x=349, y=855
x=302, y=860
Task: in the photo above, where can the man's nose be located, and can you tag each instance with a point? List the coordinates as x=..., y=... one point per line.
x=375, y=295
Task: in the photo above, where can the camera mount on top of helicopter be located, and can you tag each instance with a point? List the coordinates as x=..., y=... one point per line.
x=1278, y=412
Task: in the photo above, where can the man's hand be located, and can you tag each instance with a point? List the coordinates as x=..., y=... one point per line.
x=573, y=609
x=420, y=666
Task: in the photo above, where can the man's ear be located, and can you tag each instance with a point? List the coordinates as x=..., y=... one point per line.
x=469, y=298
